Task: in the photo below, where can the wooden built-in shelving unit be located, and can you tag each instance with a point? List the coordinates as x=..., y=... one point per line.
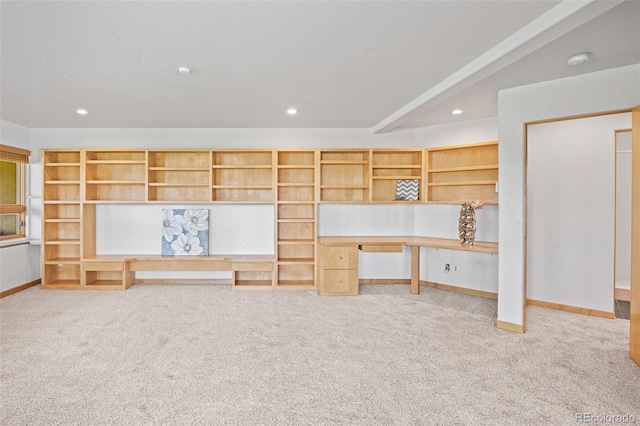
x=295, y=181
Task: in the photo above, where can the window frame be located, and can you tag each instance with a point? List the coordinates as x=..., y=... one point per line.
x=21, y=158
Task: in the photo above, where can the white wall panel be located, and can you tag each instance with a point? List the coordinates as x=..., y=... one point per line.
x=623, y=210
x=571, y=211
x=19, y=264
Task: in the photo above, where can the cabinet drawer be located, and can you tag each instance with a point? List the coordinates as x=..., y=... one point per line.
x=103, y=266
x=339, y=281
x=339, y=257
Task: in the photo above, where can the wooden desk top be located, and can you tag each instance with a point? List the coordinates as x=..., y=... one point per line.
x=443, y=243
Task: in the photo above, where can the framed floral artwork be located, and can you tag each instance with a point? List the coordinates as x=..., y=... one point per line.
x=185, y=232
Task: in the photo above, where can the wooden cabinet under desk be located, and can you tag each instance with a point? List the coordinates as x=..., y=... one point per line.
x=338, y=270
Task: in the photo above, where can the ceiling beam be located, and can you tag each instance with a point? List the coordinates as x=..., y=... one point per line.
x=565, y=17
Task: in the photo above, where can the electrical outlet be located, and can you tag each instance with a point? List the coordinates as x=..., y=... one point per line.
x=447, y=267
x=243, y=248
x=456, y=268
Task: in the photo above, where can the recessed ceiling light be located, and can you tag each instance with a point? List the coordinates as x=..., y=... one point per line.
x=579, y=59
x=184, y=70
x=82, y=111
x=292, y=111
x=457, y=112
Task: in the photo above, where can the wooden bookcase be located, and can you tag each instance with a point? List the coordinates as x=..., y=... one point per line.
x=388, y=166
x=344, y=175
x=115, y=176
x=293, y=180
x=296, y=218
x=179, y=176
x=62, y=218
x=460, y=173
x=242, y=176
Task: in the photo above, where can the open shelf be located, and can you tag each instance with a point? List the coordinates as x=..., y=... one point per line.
x=116, y=156
x=62, y=191
x=389, y=167
x=296, y=284
x=462, y=173
x=114, y=191
x=61, y=275
x=296, y=272
x=114, y=175
x=179, y=176
x=242, y=176
x=61, y=157
x=344, y=175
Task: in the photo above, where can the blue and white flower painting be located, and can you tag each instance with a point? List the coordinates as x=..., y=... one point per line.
x=185, y=232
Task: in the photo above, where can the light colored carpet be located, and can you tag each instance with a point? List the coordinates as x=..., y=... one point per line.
x=191, y=354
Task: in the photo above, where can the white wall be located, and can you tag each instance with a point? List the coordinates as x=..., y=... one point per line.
x=19, y=264
x=135, y=228
x=571, y=210
x=478, y=271
x=462, y=132
x=623, y=210
x=371, y=219
x=608, y=90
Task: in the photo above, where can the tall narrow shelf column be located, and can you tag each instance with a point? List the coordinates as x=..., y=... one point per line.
x=296, y=209
x=62, y=218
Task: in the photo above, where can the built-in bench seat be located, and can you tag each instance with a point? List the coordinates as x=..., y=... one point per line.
x=117, y=272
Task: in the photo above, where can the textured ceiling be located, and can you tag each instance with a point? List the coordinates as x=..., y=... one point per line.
x=342, y=64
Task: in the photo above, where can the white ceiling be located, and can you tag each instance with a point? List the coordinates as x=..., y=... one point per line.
x=378, y=65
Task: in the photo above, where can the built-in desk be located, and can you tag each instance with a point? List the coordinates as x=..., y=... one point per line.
x=342, y=251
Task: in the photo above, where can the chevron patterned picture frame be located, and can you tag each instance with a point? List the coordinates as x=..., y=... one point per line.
x=407, y=189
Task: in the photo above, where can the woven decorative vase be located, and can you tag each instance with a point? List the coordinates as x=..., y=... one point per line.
x=467, y=225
